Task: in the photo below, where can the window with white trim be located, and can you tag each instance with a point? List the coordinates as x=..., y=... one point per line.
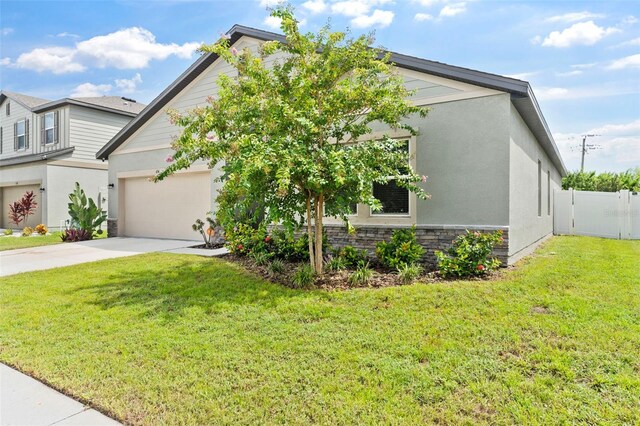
x=8, y=108
x=394, y=199
x=49, y=128
x=21, y=134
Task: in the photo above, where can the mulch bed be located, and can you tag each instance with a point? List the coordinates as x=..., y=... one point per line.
x=211, y=247
x=339, y=280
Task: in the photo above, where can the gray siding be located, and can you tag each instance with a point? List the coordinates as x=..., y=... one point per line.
x=18, y=112
x=90, y=130
x=525, y=226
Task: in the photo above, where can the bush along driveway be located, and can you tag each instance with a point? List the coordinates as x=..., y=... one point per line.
x=164, y=338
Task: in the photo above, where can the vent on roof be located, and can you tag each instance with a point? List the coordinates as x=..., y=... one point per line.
x=128, y=99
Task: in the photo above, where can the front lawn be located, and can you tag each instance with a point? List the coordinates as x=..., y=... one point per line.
x=161, y=338
x=12, y=243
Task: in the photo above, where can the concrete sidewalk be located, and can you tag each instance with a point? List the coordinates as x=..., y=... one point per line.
x=54, y=256
x=26, y=401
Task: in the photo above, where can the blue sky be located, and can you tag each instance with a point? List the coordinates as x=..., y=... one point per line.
x=582, y=58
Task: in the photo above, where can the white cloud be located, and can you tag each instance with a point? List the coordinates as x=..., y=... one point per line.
x=619, y=147
x=5, y=62
x=380, y=18
x=129, y=48
x=582, y=33
x=352, y=8
x=574, y=17
x=66, y=34
x=536, y=40
x=546, y=93
x=128, y=86
x=523, y=75
x=423, y=17
x=315, y=6
x=58, y=60
x=272, y=22
x=6, y=31
x=584, y=66
x=271, y=3
x=584, y=92
x=87, y=90
x=630, y=20
x=632, y=42
x=632, y=61
x=569, y=73
x=356, y=8
x=453, y=10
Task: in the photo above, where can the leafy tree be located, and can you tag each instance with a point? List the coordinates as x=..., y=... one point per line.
x=84, y=212
x=285, y=134
x=605, y=182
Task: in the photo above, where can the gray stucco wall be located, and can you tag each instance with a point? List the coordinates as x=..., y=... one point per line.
x=462, y=147
x=525, y=226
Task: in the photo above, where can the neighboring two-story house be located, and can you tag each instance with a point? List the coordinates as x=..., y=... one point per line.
x=47, y=146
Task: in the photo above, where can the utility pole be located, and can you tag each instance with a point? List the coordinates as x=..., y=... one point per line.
x=585, y=148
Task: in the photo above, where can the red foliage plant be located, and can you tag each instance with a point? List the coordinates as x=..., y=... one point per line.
x=19, y=211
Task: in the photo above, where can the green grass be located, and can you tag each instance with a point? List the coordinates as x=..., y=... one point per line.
x=161, y=338
x=12, y=243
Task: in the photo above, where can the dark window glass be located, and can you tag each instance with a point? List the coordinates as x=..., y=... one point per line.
x=395, y=200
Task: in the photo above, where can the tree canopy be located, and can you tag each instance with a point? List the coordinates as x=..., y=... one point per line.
x=290, y=134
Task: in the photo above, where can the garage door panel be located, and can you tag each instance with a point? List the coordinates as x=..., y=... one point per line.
x=166, y=209
x=10, y=194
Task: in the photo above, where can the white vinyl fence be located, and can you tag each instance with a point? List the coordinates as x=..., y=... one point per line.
x=598, y=214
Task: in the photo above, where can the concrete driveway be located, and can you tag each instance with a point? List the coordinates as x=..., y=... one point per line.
x=65, y=254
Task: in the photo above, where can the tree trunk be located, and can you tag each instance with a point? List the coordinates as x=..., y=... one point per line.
x=310, y=233
x=318, y=223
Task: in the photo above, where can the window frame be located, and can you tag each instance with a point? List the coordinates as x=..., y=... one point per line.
x=52, y=128
x=548, y=192
x=23, y=135
x=364, y=216
x=539, y=188
x=8, y=109
x=390, y=178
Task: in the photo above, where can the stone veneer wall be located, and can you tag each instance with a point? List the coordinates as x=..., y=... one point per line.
x=112, y=227
x=431, y=237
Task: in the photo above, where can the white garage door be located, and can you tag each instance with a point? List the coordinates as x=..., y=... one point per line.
x=166, y=209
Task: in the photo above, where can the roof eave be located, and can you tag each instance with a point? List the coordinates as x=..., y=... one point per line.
x=68, y=101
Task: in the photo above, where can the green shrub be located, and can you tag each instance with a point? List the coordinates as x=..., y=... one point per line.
x=351, y=256
x=8, y=232
x=244, y=239
x=362, y=275
x=403, y=249
x=276, y=267
x=84, y=212
x=409, y=273
x=469, y=255
x=41, y=229
x=304, y=276
x=209, y=233
x=605, y=182
x=336, y=263
x=260, y=257
x=27, y=231
x=287, y=247
x=73, y=234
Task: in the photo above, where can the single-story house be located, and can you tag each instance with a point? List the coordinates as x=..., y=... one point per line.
x=490, y=157
x=46, y=146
